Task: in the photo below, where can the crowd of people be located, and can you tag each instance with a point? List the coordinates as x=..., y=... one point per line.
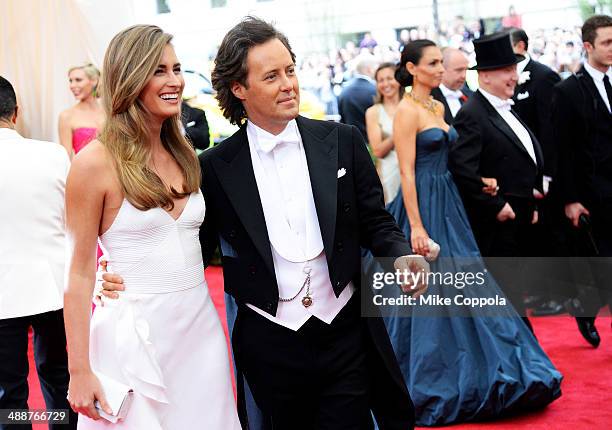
x=325, y=74
x=519, y=168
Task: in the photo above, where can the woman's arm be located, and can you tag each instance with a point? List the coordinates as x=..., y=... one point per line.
x=380, y=145
x=84, y=208
x=405, y=127
x=65, y=133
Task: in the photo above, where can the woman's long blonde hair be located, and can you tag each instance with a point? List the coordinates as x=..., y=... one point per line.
x=130, y=61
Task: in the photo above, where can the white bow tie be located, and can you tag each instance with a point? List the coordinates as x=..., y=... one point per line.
x=504, y=105
x=268, y=141
x=454, y=95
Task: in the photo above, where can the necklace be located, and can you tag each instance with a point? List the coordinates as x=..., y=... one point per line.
x=429, y=104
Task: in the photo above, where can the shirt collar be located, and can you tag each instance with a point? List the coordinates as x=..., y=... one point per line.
x=367, y=78
x=266, y=142
x=498, y=104
x=596, y=74
x=8, y=133
x=520, y=67
x=447, y=92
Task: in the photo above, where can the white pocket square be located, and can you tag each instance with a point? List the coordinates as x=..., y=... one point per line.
x=341, y=172
x=522, y=96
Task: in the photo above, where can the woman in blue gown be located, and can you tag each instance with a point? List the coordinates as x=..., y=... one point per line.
x=470, y=365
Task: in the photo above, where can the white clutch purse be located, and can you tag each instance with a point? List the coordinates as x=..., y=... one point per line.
x=119, y=397
x=434, y=250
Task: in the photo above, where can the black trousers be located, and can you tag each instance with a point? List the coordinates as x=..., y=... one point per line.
x=511, y=238
x=315, y=378
x=601, y=293
x=51, y=364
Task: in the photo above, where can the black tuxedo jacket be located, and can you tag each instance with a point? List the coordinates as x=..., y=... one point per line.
x=354, y=100
x=436, y=93
x=351, y=215
x=532, y=103
x=196, y=126
x=487, y=147
x=583, y=133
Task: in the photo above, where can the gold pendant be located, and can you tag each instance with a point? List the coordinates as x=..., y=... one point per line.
x=306, y=301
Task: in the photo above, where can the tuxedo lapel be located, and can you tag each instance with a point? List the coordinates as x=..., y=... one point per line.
x=502, y=125
x=534, y=140
x=590, y=84
x=236, y=176
x=438, y=95
x=322, y=158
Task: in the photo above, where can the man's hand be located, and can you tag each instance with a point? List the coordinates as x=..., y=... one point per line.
x=107, y=284
x=420, y=267
x=573, y=212
x=535, y=218
x=506, y=213
x=491, y=186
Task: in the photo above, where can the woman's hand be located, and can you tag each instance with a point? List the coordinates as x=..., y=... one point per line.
x=419, y=240
x=83, y=390
x=491, y=186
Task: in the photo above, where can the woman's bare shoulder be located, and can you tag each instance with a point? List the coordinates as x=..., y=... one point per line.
x=93, y=159
x=66, y=115
x=407, y=111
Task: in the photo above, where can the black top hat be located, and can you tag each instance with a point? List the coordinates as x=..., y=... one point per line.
x=494, y=52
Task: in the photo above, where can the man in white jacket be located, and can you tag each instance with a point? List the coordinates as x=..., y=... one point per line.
x=32, y=256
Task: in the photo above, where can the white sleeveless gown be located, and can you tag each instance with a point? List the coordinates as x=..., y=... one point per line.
x=388, y=167
x=162, y=337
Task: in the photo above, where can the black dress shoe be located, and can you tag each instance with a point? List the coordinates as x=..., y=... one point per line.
x=587, y=329
x=551, y=307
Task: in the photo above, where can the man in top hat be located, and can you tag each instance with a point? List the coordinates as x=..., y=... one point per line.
x=494, y=143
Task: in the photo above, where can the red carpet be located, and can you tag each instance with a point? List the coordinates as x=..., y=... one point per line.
x=586, y=402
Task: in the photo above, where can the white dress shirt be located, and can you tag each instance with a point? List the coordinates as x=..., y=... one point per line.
x=598, y=78
x=283, y=181
x=503, y=108
x=520, y=66
x=452, y=99
x=32, y=235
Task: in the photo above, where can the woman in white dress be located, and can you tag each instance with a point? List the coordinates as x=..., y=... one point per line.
x=379, y=126
x=136, y=188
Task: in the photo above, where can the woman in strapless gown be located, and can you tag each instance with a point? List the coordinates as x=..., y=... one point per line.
x=162, y=337
x=379, y=126
x=80, y=124
x=469, y=365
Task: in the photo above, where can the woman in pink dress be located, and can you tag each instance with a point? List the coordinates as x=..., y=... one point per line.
x=79, y=124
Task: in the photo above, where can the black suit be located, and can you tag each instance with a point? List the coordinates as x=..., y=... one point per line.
x=583, y=133
x=487, y=147
x=356, y=97
x=351, y=215
x=532, y=103
x=437, y=94
x=196, y=126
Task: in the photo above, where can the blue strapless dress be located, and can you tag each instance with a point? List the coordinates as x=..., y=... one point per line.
x=462, y=368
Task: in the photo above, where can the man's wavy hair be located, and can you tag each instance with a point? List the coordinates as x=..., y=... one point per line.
x=231, y=62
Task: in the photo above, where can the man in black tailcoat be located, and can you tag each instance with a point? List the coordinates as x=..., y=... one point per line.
x=495, y=144
x=532, y=98
x=291, y=202
x=582, y=120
